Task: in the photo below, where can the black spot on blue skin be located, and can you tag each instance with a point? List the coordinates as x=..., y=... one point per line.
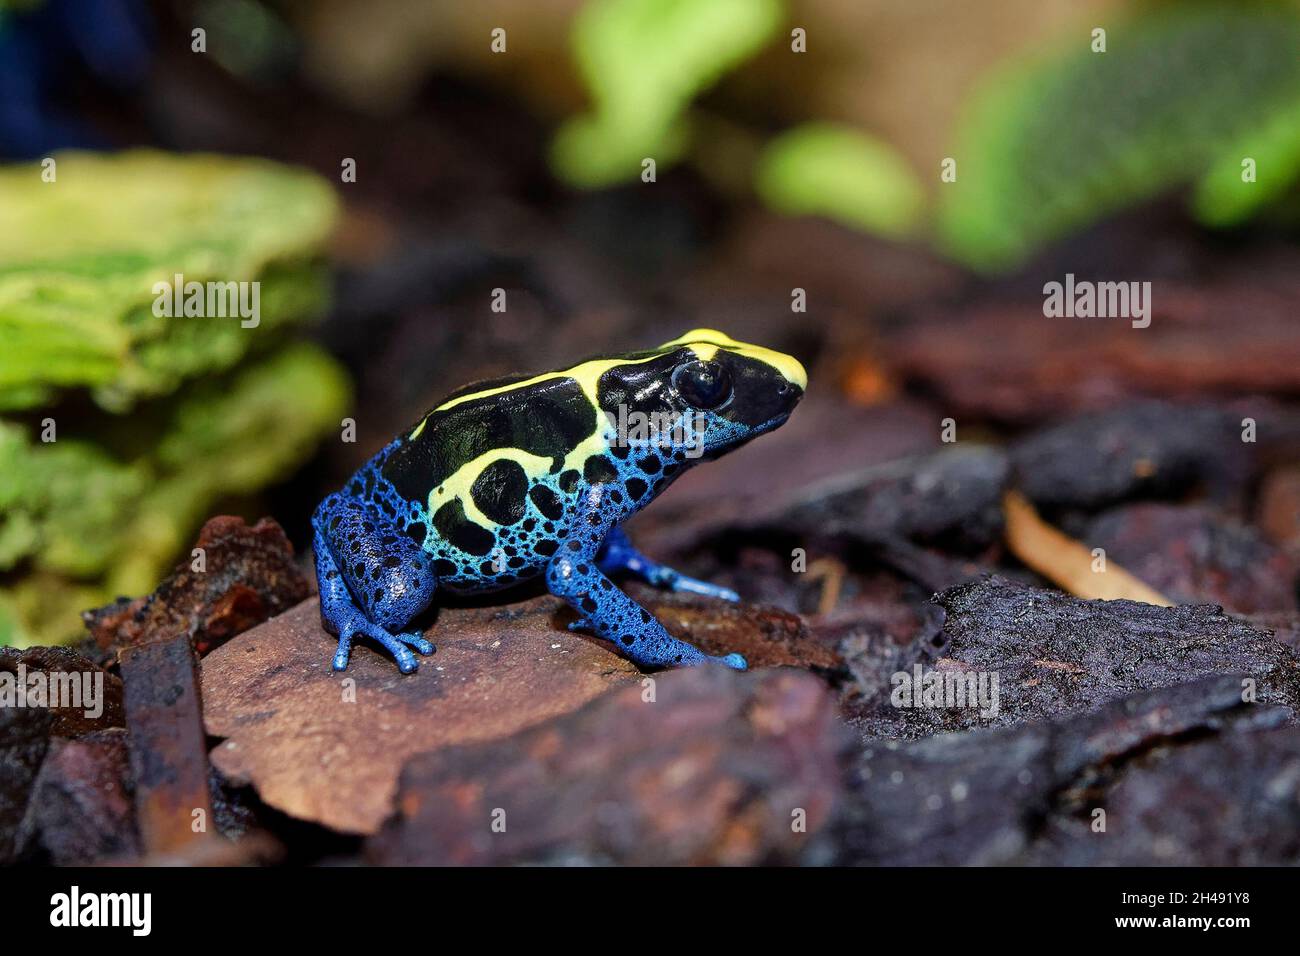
x=499, y=491
x=636, y=488
x=456, y=529
x=650, y=464
x=545, y=547
x=597, y=469
x=547, y=501
x=569, y=481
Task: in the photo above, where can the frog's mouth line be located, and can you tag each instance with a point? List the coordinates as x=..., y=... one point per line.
x=775, y=422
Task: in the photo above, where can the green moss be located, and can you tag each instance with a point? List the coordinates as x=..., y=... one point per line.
x=78, y=519
x=183, y=412
x=80, y=258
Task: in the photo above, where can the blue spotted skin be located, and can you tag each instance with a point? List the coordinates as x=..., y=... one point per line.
x=529, y=477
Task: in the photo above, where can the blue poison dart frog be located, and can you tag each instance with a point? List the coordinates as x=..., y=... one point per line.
x=531, y=476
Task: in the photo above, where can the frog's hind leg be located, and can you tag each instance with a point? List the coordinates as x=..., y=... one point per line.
x=373, y=580
x=617, y=554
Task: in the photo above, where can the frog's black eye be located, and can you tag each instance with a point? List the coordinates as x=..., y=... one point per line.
x=703, y=384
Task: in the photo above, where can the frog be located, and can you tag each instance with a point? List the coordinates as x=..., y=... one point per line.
x=531, y=477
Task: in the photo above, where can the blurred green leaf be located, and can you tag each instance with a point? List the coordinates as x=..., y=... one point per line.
x=643, y=62
x=843, y=174
x=1182, y=94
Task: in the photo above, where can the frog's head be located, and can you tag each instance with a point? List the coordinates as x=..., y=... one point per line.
x=720, y=392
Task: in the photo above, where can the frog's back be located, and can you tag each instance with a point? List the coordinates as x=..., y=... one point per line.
x=491, y=472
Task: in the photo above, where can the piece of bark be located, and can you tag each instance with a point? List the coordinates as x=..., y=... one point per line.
x=988, y=797
x=950, y=498
x=707, y=766
x=82, y=810
x=24, y=740
x=1054, y=655
x=32, y=731
x=1230, y=800
x=242, y=576
x=1147, y=450
x=1005, y=360
x=169, y=764
x=72, y=673
x=766, y=636
x=1194, y=554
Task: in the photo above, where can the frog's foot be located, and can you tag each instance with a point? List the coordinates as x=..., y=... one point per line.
x=395, y=644
x=735, y=661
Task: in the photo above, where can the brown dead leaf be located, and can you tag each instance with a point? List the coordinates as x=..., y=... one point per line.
x=327, y=746
x=292, y=732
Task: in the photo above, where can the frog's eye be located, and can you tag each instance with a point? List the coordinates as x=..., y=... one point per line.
x=703, y=384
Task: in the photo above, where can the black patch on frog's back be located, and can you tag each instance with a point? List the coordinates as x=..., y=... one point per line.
x=634, y=385
x=548, y=419
x=597, y=469
x=452, y=525
x=547, y=501
x=499, y=491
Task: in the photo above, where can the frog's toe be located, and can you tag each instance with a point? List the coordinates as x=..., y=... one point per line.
x=735, y=661
x=340, y=662
x=416, y=639
x=581, y=624
x=406, y=661
x=684, y=584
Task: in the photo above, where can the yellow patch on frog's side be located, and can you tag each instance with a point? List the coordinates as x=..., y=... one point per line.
x=459, y=485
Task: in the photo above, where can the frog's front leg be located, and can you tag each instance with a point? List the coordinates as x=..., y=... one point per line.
x=575, y=575
x=618, y=554
x=373, y=580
